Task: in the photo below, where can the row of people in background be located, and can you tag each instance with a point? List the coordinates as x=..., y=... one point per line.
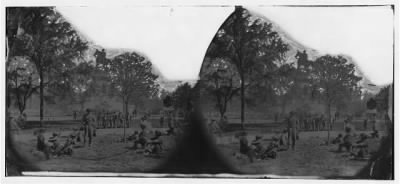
x=314, y=122
x=109, y=119
x=170, y=117
x=116, y=119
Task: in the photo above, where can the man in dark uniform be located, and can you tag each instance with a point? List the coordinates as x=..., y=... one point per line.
x=109, y=119
x=114, y=119
x=142, y=138
x=134, y=113
x=41, y=143
x=98, y=119
x=161, y=119
x=322, y=122
x=75, y=115
x=118, y=120
x=103, y=119
x=87, y=121
x=245, y=148
x=292, y=123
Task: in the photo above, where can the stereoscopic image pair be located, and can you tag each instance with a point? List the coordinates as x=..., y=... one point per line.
x=263, y=104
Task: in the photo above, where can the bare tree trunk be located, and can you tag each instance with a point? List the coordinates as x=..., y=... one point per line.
x=329, y=122
x=242, y=102
x=125, y=109
x=21, y=107
x=41, y=96
x=222, y=110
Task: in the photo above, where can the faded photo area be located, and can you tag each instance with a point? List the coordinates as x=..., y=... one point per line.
x=263, y=104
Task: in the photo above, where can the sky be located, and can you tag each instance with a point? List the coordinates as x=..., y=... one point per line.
x=175, y=39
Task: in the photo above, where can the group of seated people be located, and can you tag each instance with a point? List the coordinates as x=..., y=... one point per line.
x=53, y=146
x=354, y=144
x=141, y=140
x=258, y=150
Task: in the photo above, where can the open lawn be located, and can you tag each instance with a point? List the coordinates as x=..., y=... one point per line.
x=108, y=153
x=310, y=158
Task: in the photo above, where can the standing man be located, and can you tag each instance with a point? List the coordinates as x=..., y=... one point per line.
x=161, y=119
x=373, y=120
x=113, y=118
x=103, y=119
x=292, y=129
x=134, y=113
x=88, y=131
x=74, y=115
x=323, y=123
x=131, y=118
x=98, y=119
x=365, y=124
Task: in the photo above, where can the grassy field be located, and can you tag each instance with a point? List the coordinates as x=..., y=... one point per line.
x=109, y=154
x=310, y=158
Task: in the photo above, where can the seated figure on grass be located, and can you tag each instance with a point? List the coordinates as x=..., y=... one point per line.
x=59, y=149
x=245, y=148
x=283, y=139
x=338, y=139
x=154, y=145
x=257, y=146
x=214, y=127
x=375, y=134
x=41, y=144
x=264, y=153
x=347, y=141
x=141, y=140
x=134, y=136
x=360, y=148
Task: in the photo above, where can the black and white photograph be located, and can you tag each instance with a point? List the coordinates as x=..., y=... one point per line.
x=262, y=91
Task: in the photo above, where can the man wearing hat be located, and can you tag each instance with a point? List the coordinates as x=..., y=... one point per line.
x=87, y=121
x=142, y=137
x=41, y=143
x=154, y=145
x=244, y=147
x=292, y=129
x=257, y=146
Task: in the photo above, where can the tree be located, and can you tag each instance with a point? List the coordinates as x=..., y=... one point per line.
x=284, y=83
x=182, y=98
x=83, y=83
x=51, y=43
x=251, y=45
x=23, y=80
x=292, y=84
x=163, y=93
x=220, y=79
x=335, y=79
x=131, y=76
x=382, y=99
